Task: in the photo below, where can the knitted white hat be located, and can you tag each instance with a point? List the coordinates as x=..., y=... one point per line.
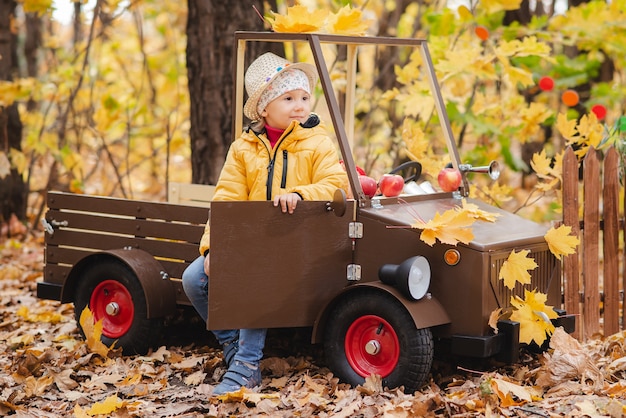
x=260, y=75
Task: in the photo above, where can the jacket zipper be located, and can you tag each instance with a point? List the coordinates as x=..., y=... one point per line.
x=283, y=182
x=270, y=168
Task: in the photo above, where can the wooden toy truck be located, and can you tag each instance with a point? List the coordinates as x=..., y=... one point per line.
x=322, y=267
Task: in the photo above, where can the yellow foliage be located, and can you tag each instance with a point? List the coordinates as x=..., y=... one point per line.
x=246, y=395
x=450, y=227
x=110, y=404
x=11, y=91
x=515, y=269
x=588, y=132
x=532, y=118
x=493, y=6
x=45, y=316
x=477, y=213
x=299, y=20
x=560, y=241
x=519, y=76
x=36, y=6
x=93, y=332
x=526, y=47
x=348, y=21
x=534, y=317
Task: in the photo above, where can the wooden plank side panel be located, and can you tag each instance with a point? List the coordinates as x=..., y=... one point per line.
x=591, y=234
x=610, y=199
x=571, y=275
x=154, y=228
x=95, y=241
x=125, y=207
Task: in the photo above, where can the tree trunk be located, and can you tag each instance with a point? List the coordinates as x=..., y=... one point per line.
x=211, y=25
x=12, y=188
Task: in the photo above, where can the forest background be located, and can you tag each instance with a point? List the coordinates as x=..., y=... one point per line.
x=132, y=95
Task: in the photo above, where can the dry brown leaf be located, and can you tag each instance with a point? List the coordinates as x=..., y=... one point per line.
x=569, y=361
x=64, y=380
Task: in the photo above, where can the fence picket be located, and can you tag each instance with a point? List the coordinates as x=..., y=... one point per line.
x=590, y=247
x=571, y=274
x=610, y=216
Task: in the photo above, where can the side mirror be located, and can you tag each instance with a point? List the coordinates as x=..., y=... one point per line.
x=493, y=169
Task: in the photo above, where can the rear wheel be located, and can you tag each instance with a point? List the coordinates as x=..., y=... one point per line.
x=114, y=295
x=372, y=333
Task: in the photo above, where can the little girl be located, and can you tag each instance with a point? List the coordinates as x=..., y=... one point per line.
x=286, y=156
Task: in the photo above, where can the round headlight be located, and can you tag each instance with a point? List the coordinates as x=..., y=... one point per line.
x=411, y=277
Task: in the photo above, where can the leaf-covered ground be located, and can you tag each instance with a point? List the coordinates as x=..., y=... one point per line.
x=47, y=370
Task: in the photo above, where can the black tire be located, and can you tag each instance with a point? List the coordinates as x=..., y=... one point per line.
x=412, y=348
x=135, y=333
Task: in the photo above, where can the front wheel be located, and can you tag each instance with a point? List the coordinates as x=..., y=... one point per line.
x=115, y=296
x=372, y=333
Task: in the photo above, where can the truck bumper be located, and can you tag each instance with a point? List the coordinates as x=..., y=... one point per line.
x=50, y=291
x=505, y=344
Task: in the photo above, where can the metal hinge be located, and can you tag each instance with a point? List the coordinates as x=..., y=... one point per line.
x=355, y=230
x=49, y=226
x=354, y=272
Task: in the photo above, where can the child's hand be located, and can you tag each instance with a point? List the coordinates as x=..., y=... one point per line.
x=287, y=201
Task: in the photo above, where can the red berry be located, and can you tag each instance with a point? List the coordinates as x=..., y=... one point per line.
x=546, y=83
x=599, y=110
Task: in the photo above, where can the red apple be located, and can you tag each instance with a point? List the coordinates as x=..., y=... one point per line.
x=368, y=185
x=449, y=179
x=391, y=185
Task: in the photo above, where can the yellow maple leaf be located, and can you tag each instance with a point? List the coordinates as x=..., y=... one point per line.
x=475, y=212
x=44, y=316
x=93, y=332
x=560, y=241
x=299, y=19
x=519, y=75
x=534, y=317
x=567, y=128
x=37, y=6
x=493, y=6
x=348, y=21
x=417, y=145
x=450, y=227
x=515, y=268
x=540, y=163
x=505, y=391
x=110, y=404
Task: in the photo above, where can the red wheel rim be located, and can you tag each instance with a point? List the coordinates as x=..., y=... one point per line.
x=372, y=346
x=112, y=303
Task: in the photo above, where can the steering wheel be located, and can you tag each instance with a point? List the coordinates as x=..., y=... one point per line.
x=411, y=171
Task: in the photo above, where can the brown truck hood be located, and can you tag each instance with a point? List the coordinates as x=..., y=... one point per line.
x=509, y=230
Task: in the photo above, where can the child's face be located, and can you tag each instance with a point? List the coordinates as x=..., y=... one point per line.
x=293, y=105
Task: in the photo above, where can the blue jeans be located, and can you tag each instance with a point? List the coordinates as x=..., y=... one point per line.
x=196, y=286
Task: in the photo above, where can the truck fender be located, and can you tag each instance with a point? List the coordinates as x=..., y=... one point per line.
x=426, y=312
x=159, y=292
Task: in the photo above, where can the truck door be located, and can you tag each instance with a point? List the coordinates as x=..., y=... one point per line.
x=270, y=269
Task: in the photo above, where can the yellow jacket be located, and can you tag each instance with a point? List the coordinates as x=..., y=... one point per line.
x=304, y=161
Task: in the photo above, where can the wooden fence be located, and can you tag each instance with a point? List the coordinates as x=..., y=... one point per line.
x=593, y=284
